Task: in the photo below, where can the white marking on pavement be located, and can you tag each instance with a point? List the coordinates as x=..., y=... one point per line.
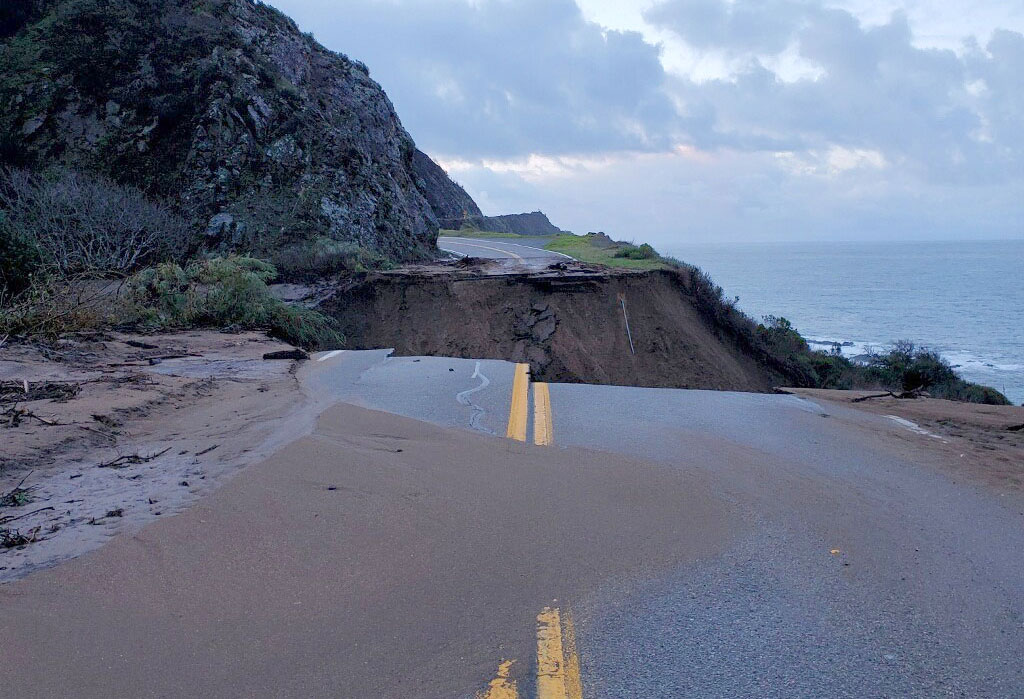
x=487, y=247
x=914, y=427
x=518, y=245
x=464, y=399
x=550, y=252
x=327, y=356
x=454, y=252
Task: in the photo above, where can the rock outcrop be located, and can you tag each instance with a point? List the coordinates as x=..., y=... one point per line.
x=535, y=223
x=448, y=199
x=264, y=139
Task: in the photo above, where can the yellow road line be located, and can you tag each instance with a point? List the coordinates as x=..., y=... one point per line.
x=543, y=430
x=487, y=247
x=557, y=678
x=502, y=686
x=573, y=676
x=517, y=414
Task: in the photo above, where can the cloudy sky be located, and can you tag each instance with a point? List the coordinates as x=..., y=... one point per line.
x=711, y=120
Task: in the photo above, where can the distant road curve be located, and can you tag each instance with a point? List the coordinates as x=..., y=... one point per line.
x=524, y=249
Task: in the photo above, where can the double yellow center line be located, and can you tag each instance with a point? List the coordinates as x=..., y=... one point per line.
x=558, y=663
x=518, y=415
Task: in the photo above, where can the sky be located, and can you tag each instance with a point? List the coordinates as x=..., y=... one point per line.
x=705, y=121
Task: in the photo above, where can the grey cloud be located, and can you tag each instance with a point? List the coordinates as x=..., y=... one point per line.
x=505, y=79
x=758, y=27
x=879, y=92
x=502, y=79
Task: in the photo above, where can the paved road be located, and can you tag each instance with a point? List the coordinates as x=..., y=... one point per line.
x=860, y=569
x=622, y=543
x=522, y=250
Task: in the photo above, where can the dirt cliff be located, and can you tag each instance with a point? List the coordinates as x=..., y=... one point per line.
x=570, y=326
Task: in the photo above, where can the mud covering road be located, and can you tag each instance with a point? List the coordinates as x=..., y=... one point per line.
x=377, y=557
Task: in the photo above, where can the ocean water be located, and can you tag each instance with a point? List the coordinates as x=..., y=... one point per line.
x=962, y=299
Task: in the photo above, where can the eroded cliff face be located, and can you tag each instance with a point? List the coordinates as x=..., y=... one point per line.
x=570, y=326
x=261, y=136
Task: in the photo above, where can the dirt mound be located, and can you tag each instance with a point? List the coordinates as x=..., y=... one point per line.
x=569, y=325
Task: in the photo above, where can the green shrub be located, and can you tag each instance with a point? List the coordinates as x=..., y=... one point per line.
x=910, y=368
x=637, y=252
x=19, y=259
x=223, y=292
x=781, y=337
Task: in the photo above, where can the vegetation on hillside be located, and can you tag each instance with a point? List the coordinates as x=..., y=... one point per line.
x=223, y=292
x=601, y=250
x=904, y=367
x=777, y=344
x=257, y=136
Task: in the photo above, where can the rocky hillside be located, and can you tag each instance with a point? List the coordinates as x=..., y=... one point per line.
x=535, y=223
x=447, y=199
x=264, y=139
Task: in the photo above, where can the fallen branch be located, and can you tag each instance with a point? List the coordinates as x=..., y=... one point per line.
x=13, y=416
x=903, y=395
x=6, y=520
x=287, y=354
x=131, y=460
x=23, y=392
x=861, y=399
x=207, y=450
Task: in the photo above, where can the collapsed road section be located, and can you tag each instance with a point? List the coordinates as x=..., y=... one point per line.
x=570, y=322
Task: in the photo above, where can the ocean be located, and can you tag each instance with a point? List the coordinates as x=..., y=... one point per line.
x=963, y=299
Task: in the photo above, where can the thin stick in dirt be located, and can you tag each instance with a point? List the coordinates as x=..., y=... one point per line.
x=8, y=519
x=131, y=460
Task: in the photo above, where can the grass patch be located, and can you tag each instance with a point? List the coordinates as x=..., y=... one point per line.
x=601, y=250
x=471, y=233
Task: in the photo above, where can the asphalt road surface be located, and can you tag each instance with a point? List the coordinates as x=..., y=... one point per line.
x=451, y=529
x=859, y=571
x=528, y=251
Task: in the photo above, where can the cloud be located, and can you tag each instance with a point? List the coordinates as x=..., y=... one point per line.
x=944, y=116
x=758, y=27
x=494, y=78
x=823, y=119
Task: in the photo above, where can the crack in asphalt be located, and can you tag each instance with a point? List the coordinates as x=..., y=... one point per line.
x=464, y=399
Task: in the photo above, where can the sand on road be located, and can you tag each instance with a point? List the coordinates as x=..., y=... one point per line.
x=378, y=556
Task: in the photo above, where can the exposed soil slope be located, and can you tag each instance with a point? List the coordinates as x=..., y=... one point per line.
x=568, y=325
